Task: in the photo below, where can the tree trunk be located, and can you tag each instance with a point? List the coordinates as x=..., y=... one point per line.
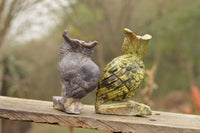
x=1, y=74
x=1, y=68
x=100, y=57
x=1, y=77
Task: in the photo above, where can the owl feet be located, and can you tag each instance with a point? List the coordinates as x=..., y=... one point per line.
x=129, y=108
x=68, y=105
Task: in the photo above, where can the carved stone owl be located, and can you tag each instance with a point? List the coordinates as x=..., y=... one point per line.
x=79, y=75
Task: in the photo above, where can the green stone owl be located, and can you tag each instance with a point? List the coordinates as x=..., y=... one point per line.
x=122, y=77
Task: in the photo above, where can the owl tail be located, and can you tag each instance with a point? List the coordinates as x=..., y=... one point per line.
x=134, y=44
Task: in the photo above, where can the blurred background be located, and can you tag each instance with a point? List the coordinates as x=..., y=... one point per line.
x=30, y=37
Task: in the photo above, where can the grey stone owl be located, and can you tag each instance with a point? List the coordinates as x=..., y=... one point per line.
x=79, y=75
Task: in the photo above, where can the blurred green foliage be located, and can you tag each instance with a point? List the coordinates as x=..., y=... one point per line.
x=173, y=24
x=30, y=68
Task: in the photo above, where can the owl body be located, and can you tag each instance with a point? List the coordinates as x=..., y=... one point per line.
x=79, y=75
x=120, y=79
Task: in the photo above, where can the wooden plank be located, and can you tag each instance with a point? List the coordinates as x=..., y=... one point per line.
x=42, y=112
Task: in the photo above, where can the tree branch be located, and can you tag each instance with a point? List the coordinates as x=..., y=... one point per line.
x=2, y=6
x=7, y=22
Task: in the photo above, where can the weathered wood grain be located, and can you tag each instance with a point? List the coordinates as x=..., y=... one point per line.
x=43, y=112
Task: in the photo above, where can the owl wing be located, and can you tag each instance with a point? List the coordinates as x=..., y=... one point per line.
x=119, y=80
